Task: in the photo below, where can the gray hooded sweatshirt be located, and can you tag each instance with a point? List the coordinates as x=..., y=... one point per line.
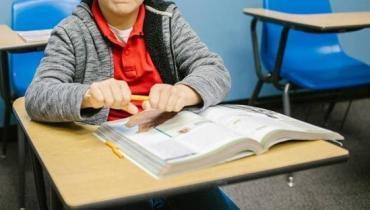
x=77, y=55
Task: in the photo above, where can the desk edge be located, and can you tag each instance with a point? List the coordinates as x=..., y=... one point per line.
x=220, y=182
x=306, y=27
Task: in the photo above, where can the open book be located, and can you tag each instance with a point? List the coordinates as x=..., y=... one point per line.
x=35, y=35
x=219, y=134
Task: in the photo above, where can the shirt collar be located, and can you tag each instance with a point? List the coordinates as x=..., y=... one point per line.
x=137, y=29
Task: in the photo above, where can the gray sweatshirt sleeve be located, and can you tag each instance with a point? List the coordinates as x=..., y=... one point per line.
x=204, y=71
x=53, y=96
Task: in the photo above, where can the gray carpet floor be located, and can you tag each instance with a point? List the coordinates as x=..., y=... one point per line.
x=340, y=186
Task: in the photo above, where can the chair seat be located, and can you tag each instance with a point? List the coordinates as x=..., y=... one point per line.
x=328, y=72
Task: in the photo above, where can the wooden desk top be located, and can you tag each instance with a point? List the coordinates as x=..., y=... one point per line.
x=10, y=40
x=86, y=172
x=321, y=22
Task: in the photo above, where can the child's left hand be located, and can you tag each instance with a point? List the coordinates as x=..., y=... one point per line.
x=171, y=98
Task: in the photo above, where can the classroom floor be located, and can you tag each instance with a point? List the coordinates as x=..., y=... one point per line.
x=341, y=186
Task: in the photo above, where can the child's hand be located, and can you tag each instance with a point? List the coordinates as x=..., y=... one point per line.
x=109, y=93
x=169, y=98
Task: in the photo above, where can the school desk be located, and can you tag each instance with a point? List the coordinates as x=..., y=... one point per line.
x=10, y=42
x=85, y=174
x=313, y=23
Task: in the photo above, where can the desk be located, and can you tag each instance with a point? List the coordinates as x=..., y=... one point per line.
x=11, y=42
x=85, y=174
x=316, y=23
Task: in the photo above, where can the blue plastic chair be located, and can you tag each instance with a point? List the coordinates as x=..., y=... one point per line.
x=31, y=15
x=311, y=61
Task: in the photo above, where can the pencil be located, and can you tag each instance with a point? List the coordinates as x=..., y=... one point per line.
x=117, y=153
x=139, y=98
x=133, y=97
x=115, y=150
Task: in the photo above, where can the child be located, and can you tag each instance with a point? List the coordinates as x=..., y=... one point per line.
x=108, y=50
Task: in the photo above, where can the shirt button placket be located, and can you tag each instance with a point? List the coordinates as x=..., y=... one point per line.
x=126, y=52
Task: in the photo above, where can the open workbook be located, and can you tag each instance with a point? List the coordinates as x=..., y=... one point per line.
x=222, y=133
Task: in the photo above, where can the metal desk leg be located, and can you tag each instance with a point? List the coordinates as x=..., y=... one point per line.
x=275, y=77
x=39, y=180
x=286, y=100
x=55, y=203
x=5, y=133
x=7, y=99
x=21, y=167
x=287, y=111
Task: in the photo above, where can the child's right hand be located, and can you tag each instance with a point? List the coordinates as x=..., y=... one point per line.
x=111, y=93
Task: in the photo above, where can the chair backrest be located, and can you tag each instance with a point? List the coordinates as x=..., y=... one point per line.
x=300, y=44
x=33, y=15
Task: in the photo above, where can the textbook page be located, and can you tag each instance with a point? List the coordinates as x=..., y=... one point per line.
x=255, y=122
x=186, y=134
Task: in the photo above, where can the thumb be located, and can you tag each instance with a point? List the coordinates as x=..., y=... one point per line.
x=146, y=105
x=131, y=108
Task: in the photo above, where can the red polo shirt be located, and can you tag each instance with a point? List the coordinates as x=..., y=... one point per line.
x=132, y=62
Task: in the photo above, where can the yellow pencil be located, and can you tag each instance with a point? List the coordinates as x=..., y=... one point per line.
x=115, y=150
x=118, y=153
x=139, y=98
x=133, y=97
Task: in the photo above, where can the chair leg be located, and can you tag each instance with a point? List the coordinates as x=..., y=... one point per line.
x=345, y=115
x=22, y=167
x=328, y=112
x=55, y=203
x=256, y=92
x=286, y=100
